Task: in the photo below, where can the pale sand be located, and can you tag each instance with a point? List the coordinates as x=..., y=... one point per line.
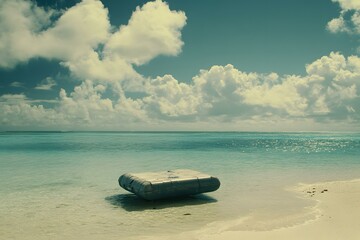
x=334, y=216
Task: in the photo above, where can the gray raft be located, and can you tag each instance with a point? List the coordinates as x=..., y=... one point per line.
x=167, y=184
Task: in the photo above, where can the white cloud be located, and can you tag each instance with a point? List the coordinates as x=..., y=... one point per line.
x=348, y=4
x=152, y=30
x=18, y=23
x=90, y=66
x=334, y=82
x=28, y=32
x=78, y=30
x=327, y=65
x=338, y=25
x=84, y=108
x=85, y=104
x=226, y=90
x=168, y=97
x=16, y=111
x=129, y=111
x=283, y=96
x=349, y=19
x=329, y=88
x=329, y=92
x=47, y=84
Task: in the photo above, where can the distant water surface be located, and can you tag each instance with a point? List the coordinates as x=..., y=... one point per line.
x=64, y=185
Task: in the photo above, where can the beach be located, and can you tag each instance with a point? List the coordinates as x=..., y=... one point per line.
x=336, y=214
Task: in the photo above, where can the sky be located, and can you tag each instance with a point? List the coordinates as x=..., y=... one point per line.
x=251, y=65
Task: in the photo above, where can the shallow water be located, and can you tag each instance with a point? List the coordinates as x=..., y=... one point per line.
x=64, y=185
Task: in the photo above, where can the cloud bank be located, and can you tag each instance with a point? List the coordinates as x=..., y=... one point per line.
x=103, y=57
x=328, y=92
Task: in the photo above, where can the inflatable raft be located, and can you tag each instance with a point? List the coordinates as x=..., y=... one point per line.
x=168, y=184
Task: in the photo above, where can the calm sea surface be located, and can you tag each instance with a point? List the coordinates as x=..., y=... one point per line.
x=64, y=185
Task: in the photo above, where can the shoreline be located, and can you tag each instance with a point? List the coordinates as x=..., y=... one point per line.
x=331, y=213
x=334, y=215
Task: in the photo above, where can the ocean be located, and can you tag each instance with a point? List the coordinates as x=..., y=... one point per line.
x=64, y=185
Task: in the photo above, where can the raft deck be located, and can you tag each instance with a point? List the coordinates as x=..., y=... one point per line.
x=168, y=184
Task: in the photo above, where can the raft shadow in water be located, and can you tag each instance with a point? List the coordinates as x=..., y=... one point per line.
x=131, y=202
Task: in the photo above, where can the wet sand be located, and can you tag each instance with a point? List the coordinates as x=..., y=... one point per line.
x=334, y=214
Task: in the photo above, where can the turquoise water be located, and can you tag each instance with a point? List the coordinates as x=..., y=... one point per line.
x=64, y=184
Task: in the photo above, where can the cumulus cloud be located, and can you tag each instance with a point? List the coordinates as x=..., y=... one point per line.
x=329, y=91
x=103, y=58
x=348, y=4
x=94, y=52
x=15, y=111
x=337, y=25
x=335, y=81
x=84, y=104
x=100, y=53
x=170, y=98
x=28, y=32
x=349, y=19
x=153, y=30
x=91, y=66
x=284, y=96
x=84, y=108
x=19, y=22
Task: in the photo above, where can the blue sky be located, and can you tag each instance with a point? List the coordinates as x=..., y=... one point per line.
x=180, y=65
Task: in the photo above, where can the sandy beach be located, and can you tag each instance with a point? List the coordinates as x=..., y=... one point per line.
x=334, y=215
